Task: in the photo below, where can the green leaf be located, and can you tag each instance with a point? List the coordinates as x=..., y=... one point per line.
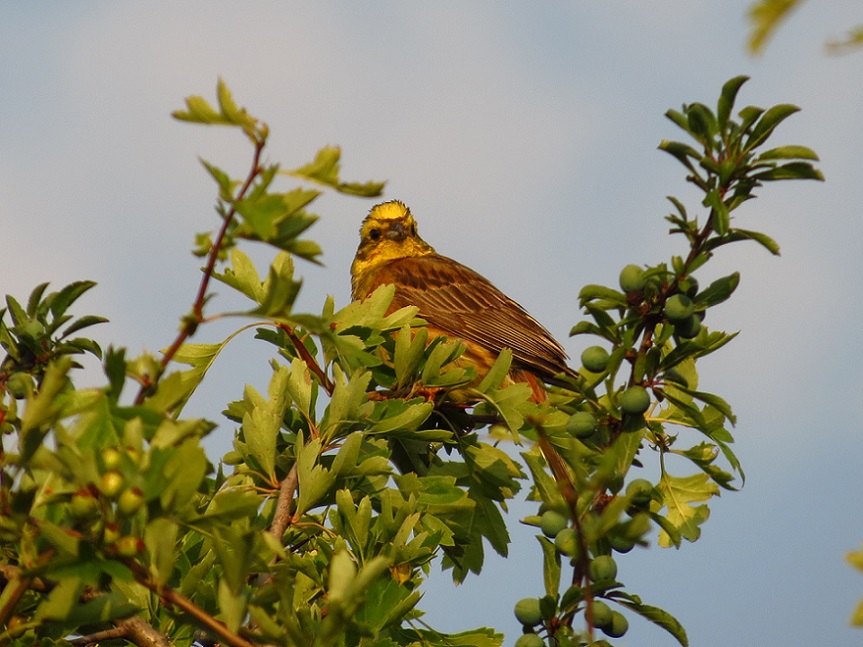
x=407, y=420
x=790, y=171
x=346, y=408
x=600, y=292
x=765, y=16
x=62, y=599
x=657, y=616
x=719, y=211
x=498, y=372
x=765, y=126
x=44, y=408
x=727, y=98
x=242, y=276
x=226, y=185
x=160, y=537
x=82, y=322
x=678, y=495
x=550, y=566
x=60, y=301
x=408, y=353
x=701, y=124
x=735, y=235
x=788, y=152
x=325, y=170
x=718, y=291
x=315, y=481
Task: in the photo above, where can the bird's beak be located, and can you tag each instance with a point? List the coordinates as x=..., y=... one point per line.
x=396, y=231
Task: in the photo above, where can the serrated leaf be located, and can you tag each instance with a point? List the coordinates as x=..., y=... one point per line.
x=242, y=275
x=678, y=495
x=315, y=481
x=408, y=355
x=324, y=169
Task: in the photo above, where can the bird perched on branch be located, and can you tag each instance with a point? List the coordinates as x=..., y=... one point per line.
x=454, y=300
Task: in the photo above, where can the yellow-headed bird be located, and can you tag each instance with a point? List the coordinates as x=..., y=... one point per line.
x=453, y=299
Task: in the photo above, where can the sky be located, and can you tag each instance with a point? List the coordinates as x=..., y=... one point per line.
x=523, y=136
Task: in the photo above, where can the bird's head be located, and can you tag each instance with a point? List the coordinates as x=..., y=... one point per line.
x=389, y=232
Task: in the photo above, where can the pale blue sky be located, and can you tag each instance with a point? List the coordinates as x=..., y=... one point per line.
x=524, y=138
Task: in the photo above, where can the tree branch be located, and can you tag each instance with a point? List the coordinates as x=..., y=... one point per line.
x=282, y=517
x=307, y=357
x=169, y=595
x=191, y=321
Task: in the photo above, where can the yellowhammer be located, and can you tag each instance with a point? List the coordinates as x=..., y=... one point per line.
x=453, y=299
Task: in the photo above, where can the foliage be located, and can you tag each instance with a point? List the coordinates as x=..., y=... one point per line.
x=765, y=17
x=115, y=526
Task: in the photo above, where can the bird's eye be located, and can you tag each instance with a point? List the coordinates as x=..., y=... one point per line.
x=375, y=234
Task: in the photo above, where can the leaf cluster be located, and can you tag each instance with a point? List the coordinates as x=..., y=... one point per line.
x=374, y=453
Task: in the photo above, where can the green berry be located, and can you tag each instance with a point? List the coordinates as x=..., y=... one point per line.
x=621, y=544
x=129, y=546
x=688, y=328
x=19, y=385
x=618, y=625
x=527, y=612
x=552, y=522
x=529, y=640
x=632, y=278
x=602, y=568
x=639, y=491
x=111, y=458
x=130, y=501
x=111, y=534
x=635, y=400
x=83, y=505
x=581, y=424
x=595, y=359
x=111, y=483
x=602, y=614
x=678, y=307
x=566, y=542
x=692, y=287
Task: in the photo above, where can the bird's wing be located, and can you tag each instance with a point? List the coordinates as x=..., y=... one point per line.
x=466, y=305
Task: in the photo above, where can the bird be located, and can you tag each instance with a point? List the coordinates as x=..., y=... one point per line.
x=454, y=300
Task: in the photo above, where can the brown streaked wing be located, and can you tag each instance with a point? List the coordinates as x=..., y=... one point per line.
x=465, y=304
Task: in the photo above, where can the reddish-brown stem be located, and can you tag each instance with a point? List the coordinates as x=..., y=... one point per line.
x=183, y=603
x=191, y=322
x=307, y=357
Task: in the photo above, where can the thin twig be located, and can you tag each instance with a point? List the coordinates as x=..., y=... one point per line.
x=307, y=357
x=95, y=637
x=190, y=323
x=169, y=595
